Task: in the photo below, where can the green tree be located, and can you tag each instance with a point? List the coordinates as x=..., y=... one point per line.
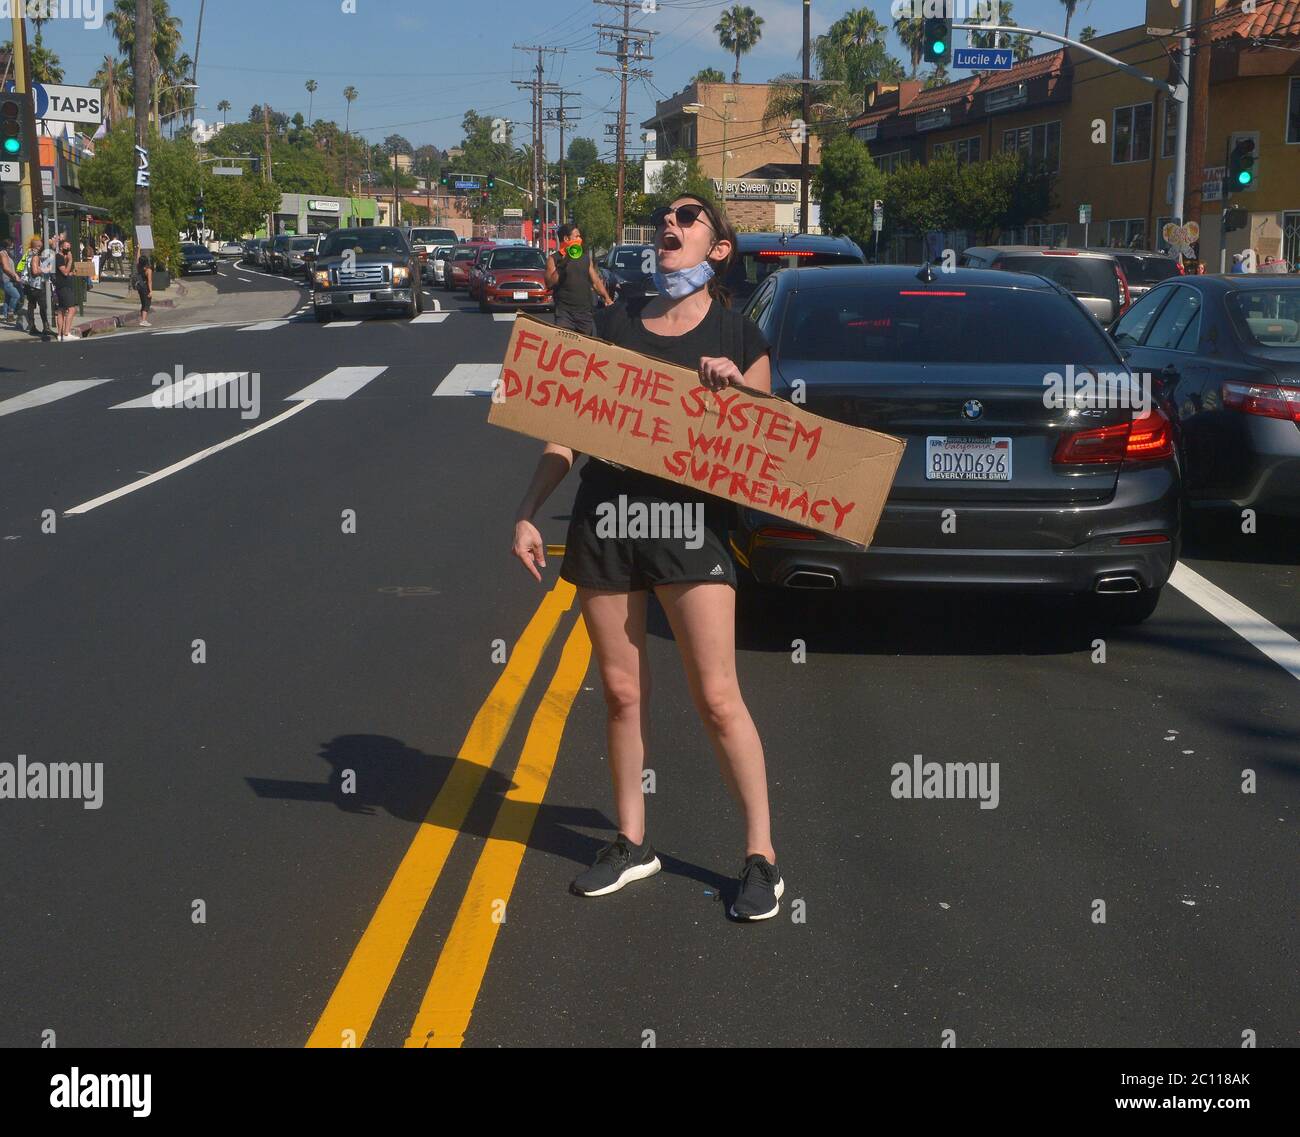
x=847, y=183
x=1021, y=45
x=311, y=86
x=236, y=206
x=938, y=77
x=114, y=79
x=739, y=30
x=1070, y=6
x=919, y=197
x=911, y=34
x=582, y=155
x=709, y=75
x=1089, y=32
x=223, y=107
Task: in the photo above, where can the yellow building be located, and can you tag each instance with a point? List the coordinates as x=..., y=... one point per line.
x=1110, y=138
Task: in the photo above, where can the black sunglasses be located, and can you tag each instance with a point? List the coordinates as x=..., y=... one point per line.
x=687, y=215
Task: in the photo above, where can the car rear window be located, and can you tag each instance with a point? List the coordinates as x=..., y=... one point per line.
x=879, y=324
x=517, y=258
x=303, y=243
x=1084, y=276
x=634, y=258
x=433, y=237
x=366, y=240
x=465, y=254
x=752, y=268
x=1147, y=270
x=1268, y=317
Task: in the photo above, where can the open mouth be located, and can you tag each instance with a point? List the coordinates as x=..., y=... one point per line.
x=670, y=241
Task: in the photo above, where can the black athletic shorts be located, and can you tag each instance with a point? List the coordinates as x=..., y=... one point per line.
x=617, y=563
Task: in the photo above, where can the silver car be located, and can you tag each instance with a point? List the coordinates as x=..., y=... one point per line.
x=1096, y=279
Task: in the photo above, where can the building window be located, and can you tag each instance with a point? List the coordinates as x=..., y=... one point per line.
x=966, y=150
x=1039, y=145
x=1127, y=233
x=1170, y=137
x=1293, y=113
x=1131, y=134
x=1050, y=236
x=888, y=163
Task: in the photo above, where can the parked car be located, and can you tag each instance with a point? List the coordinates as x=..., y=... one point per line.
x=230, y=249
x=294, y=259
x=196, y=258
x=1067, y=499
x=759, y=255
x=1096, y=279
x=474, y=276
x=365, y=270
x=1223, y=353
x=514, y=277
x=251, y=250
x=457, y=273
x=1142, y=270
x=629, y=271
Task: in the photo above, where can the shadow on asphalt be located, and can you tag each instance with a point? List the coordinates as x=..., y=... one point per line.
x=401, y=781
x=1218, y=537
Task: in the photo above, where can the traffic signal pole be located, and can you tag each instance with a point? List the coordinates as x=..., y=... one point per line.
x=29, y=189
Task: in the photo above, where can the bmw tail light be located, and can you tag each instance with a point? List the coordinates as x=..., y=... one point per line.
x=1262, y=399
x=1149, y=437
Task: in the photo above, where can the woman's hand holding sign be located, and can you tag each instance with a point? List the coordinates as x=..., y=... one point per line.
x=717, y=372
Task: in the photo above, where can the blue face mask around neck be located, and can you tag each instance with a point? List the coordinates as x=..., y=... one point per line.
x=684, y=281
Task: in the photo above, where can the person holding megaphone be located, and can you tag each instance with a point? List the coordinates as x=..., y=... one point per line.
x=571, y=275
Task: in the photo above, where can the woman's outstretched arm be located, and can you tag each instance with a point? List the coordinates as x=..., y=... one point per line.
x=552, y=466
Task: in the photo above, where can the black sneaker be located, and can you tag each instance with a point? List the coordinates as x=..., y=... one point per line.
x=761, y=888
x=618, y=863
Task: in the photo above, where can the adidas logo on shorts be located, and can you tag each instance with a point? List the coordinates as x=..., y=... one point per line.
x=717, y=570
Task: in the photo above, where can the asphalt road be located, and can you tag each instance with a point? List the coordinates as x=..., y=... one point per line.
x=313, y=834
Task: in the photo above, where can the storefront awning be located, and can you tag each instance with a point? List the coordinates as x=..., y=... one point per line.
x=71, y=201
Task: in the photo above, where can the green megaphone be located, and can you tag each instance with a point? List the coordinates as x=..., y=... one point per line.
x=574, y=252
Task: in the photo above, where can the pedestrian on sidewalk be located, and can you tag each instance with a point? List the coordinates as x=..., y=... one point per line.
x=34, y=285
x=689, y=323
x=11, y=280
x=573, y=279
x=65, y=297
x=144, y=286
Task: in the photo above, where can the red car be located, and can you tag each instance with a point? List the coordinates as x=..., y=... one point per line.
x=476, y=269
x=457, y=274
x=513, y=276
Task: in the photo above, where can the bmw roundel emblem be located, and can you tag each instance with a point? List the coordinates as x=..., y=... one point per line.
x=973, y=408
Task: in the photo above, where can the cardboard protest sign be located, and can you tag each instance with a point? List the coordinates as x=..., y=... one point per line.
x=742, y=445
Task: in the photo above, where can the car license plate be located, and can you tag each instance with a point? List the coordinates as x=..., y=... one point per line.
x=961, y=458
x=361, y=298
x=521, y=295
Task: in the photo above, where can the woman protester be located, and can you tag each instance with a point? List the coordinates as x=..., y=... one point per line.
x=65, y=297
x=690, y=323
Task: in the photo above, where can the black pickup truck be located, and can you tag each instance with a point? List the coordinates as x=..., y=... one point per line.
x=369, y=269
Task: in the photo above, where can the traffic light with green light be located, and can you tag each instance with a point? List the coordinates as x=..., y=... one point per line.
x=491, y=183
x=13, y=131
x=937, y=41
x=445, y=181
x=1241, y=167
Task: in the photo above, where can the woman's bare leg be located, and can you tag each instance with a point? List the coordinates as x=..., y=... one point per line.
x=616, y=623
x=703, y=619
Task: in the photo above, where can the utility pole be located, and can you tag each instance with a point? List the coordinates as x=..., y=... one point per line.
x=1199, y=119
x=540, y=88
x=633, y=44
x=142, y=68
x=29, y=191
x=805, y=153
x=266, y=141
x=561, y=117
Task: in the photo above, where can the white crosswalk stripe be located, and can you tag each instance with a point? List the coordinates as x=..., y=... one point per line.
x=470, y=379
x=338, y=384
x=191, y=388
x=50, y=393
x=430, y=318
x=505, y=317
x=185, y=330
x=343, y=323
x=265, y=326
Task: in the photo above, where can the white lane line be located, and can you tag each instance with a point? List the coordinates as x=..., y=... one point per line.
x=183, y=331
x=470, y=379
x=245, y=279
x=504, y=317
x=1260, y=633
x=264, y=326
x=430, y=318
x=175, y=393
x=49, y=393
x=338, y=384
x=434, y=301
x=343, y=323
x=139, y=484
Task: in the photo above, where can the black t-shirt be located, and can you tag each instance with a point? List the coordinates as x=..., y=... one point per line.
x=574, y=289
x=706, y=339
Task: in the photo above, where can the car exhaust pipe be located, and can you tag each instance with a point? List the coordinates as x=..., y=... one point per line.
x=1117, y=585
x=809, y=578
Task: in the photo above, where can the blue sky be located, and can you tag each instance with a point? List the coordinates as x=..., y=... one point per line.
x=419, y=64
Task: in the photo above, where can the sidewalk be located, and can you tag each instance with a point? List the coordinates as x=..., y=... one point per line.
x=113, y=304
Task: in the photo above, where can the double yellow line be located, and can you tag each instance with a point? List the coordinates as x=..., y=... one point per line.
x=448, y=1002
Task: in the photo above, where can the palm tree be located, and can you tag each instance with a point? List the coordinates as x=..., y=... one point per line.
x=938, y=77
x=166, y=39
x=349, y=93
x=911, y=34
x=1070, y=6
x=1088, y=33
x=739, y=29
x=311, y=90
x=114, y=79
x=223, y=106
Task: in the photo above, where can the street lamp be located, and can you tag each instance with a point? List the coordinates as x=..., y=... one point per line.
x=700, y=108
